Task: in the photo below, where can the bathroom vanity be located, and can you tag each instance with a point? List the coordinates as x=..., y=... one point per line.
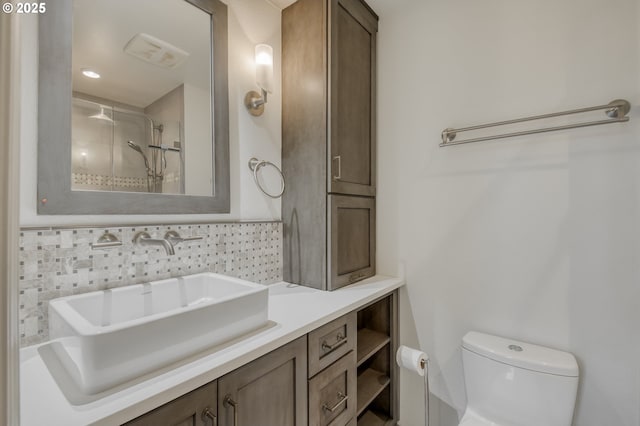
x=323, y=358
x=326, y=358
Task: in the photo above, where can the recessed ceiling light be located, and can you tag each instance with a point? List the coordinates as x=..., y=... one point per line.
x=90, y=73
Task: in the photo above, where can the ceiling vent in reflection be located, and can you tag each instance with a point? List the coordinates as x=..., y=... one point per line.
x=155, y=51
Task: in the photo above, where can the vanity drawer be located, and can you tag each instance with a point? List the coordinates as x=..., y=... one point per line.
x=332, y=393
x=331, y=341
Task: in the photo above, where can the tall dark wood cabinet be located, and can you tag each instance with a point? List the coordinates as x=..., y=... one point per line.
x=329, y=141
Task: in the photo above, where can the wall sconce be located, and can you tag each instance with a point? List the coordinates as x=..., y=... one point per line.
x=253, y=100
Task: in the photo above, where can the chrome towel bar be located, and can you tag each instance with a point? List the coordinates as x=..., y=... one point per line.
x=617, y=111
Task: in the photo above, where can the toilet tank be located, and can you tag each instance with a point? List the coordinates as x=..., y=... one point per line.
x=518, y=384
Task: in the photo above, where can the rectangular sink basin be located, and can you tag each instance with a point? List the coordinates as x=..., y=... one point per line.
x=106, y=338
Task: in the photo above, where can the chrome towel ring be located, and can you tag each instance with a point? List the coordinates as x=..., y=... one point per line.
x=255, y=165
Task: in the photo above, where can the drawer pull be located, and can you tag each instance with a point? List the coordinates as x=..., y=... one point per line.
x=207, y=414
x=342, y=400
x=340, y=340
x=229, y=402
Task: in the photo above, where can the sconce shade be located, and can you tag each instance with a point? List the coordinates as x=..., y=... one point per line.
x=264, y=67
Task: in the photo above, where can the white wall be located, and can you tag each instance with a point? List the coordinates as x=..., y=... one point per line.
x=250, y=22
x=198, y=152
x=535, y=238
x=261, y=136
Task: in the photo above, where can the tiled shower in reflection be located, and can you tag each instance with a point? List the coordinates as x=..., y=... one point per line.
x=115, y=148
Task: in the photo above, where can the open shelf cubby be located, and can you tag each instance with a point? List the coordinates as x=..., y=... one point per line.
x=370, y=384
x=370, y=342
x=371, y=418
x=377, y=377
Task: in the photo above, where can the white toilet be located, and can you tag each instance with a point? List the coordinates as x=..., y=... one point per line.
x=512, y=383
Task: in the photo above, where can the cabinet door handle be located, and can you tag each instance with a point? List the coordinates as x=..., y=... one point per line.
x=340, y=340
x=356, y=276
x=228, y=401
x=342, y=399
x=207, y=414
x=339, y=175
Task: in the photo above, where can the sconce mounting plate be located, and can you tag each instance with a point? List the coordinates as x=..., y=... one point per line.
x=252, y=101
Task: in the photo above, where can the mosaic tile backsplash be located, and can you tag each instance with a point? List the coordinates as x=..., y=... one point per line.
x=60, y=262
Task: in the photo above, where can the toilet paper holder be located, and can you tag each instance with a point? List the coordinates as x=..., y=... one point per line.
x=416, y=361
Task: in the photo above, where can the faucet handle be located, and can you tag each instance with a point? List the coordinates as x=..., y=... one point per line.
x=142, y=235
x=107, y=240
x=175, y=238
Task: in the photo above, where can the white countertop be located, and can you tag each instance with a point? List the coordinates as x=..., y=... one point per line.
x=293, y=311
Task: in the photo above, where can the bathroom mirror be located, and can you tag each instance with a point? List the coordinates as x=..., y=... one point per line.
x=133, y=107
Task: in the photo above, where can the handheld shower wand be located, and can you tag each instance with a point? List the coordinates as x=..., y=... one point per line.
x=136, y=147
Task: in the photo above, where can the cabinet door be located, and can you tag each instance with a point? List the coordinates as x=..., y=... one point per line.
x=352, y=80
x=352, y=239
x=197, y=408
x=270, y=391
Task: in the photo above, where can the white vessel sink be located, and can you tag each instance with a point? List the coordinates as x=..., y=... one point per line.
x=105, y=338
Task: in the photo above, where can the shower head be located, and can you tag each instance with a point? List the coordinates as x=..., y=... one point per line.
x=136, y=147
x=102, y=116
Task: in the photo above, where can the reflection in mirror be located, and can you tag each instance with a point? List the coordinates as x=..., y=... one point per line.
x=151, y=127
x=141, y=107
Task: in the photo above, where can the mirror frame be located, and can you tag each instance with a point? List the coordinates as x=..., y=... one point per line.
x=54, y=128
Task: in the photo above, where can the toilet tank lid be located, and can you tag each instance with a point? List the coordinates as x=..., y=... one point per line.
x=521, y=354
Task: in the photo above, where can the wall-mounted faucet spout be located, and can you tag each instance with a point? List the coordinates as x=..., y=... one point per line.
x=143, y=238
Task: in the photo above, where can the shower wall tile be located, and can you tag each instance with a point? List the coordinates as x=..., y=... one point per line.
x=56, y=263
